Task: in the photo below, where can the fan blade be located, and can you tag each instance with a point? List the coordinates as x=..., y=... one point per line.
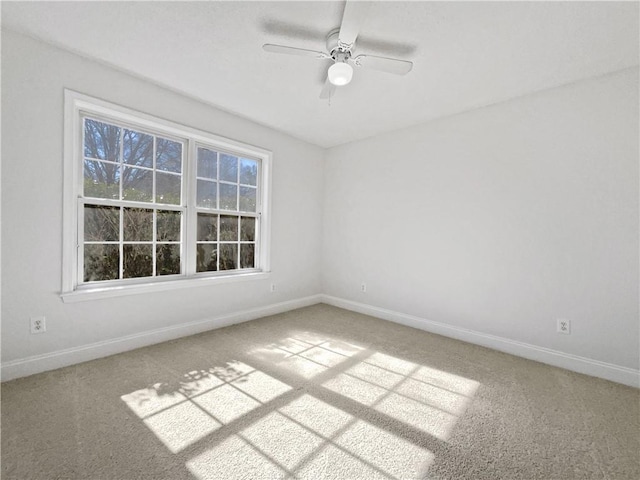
x=269, y=47
x=328, y=90
x=355, y=14
x=384, y=64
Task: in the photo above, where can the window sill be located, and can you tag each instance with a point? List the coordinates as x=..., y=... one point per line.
x=119, y=291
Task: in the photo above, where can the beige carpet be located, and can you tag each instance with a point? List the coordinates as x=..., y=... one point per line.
x=318, y=393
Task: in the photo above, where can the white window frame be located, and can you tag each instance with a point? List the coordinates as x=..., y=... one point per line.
x=77, y=106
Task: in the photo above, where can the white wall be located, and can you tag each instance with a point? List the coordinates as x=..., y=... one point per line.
x=33, y=78
x=499, y=220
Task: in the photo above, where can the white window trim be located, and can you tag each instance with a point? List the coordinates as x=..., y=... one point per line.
x=77, y=103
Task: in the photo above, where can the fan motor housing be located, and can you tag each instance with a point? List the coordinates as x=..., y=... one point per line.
x=335, y=47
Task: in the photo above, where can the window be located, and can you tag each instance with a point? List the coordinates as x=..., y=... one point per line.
x=149, y=203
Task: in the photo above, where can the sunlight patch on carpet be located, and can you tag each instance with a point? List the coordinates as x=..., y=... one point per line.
x=147, y=401
x=202, y=401
x=323, y=356
x=418, y=415
x=282, y=440
x=232, y=459
x=301, y=366
x=317, y=415
x=276, y=431
x=391, y=454
x=355, y=389
x=261, y=386
x=446, y=380
x=309, y=438
x=226, y=403
x=306, y=355
x=181, y=425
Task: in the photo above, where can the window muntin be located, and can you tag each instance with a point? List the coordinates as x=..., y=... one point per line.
x=134, y=214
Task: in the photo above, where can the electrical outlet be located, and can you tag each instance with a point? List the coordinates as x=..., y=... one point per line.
x=273, y=287
x=363, y=288
x=564, y=326
x=38, y=325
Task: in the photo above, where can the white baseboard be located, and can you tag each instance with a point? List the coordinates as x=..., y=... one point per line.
x=23, y=367
x=575, y=363
x=50, y=361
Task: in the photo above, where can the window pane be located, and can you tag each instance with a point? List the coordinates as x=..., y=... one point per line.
x=207, y=227
x=228, y=228
x=228, y=256
x=168, y=188
x=101, y=140
x=248, y=229
x=228, y=197
x=248, y=171
x=167, y=259
x=101, y=224
x=137, y=184
x=168, y=155
x=207, y=163
x=228, y=168
x=206, y=194
x=168, y=226
x=101, y=262
x=101, y=180
x=247, y=251
x=248, y=199
x=207, y=257
x=138, y=261
x=138, y=225
x=137, y=148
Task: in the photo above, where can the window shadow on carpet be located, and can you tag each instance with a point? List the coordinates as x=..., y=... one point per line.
x=306, y=405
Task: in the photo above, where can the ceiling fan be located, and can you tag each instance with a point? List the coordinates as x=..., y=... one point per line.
x=341, y=46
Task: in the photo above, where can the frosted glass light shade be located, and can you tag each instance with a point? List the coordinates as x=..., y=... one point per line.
x=340, y=73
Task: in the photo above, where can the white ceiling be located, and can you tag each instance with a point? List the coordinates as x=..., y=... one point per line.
x=465, y=54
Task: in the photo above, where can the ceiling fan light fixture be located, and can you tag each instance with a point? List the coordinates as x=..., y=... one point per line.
x=340, y=73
